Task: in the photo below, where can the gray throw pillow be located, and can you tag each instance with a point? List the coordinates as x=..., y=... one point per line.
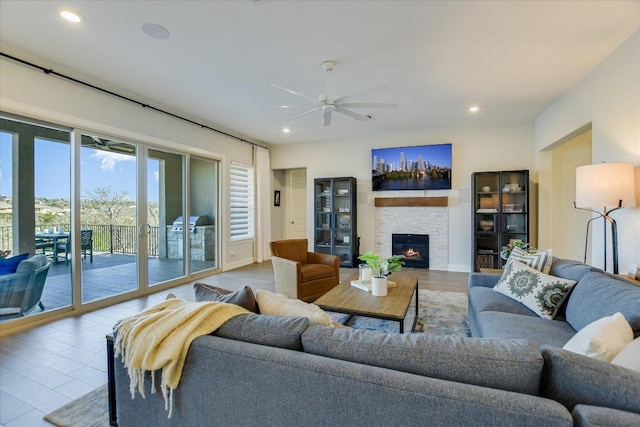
x=243, y=297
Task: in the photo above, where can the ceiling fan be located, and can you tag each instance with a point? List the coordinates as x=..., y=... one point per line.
x=338, y=105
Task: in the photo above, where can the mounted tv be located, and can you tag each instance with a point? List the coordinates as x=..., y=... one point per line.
x=422, y=167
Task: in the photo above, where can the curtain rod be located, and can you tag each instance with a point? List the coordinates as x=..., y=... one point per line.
x=117, y=95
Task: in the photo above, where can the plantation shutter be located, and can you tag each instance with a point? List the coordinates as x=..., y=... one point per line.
x=241, y=201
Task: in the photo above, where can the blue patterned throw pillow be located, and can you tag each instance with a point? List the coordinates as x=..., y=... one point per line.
x=541, y=293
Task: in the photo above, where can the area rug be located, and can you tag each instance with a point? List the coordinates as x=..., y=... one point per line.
x=439, y=312
x=90, y=410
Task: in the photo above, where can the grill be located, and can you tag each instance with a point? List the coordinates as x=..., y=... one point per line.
x=194, y=221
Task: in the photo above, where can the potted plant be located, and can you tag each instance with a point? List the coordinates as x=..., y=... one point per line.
x=380, y=269
x=504, y=254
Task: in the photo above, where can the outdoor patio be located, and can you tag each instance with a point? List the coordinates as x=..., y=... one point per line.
x=109, y=275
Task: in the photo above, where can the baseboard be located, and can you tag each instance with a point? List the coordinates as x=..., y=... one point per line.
x=459, y=267
x=237, y=264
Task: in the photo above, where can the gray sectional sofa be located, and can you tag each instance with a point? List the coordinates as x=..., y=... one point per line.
x=282, y=371
x=571, y=379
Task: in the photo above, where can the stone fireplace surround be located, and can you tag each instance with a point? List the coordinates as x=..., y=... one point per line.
x=431, y=220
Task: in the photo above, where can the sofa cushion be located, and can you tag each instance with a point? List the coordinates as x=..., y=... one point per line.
x=570, y=269
x=602, y=339
x=32, y=264
x=274, y=331
x=598, y=295
x=629, y=357
x=486, y=299
x=243, y=297
x=512, y=365
x=597, y=416
x=540, y=261
x=541, y=293
x=10, y=265
x=572, y=379
x=280, y=305
x=493, y=324
x=311, y=272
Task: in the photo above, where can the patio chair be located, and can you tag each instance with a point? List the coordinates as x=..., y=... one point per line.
x=86, y=245
x=301, y=274
x=20, y=292
x=42, y=245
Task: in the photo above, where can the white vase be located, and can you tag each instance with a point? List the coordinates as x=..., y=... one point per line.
x=379, y=286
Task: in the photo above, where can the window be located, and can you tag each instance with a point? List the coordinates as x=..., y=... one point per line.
x=241, y=201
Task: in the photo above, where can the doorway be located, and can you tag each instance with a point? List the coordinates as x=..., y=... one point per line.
x=568, y=225
x=296, y=212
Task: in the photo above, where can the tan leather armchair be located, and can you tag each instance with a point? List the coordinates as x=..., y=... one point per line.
x=302, y=274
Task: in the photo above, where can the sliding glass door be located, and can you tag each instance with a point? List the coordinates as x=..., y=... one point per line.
x=112, y=216
x=108, y=217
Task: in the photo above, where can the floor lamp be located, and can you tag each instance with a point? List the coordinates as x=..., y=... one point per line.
x=611, y=185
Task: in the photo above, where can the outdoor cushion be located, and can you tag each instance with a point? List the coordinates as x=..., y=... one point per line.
x=10, y=265
x=512, y=365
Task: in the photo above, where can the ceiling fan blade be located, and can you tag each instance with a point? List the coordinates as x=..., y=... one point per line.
x=352, y=114
x=327, y=117
x=369, y=105
x=293, y=92
x=303, y=114
x=342, y=98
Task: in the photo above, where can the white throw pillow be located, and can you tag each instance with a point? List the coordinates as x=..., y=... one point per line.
x=629, y=357
x=602, y=339
x=541, y=293
x=280, y=305
x=541, y=261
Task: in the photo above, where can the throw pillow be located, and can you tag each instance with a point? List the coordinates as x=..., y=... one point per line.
x=541, y=261
x=539, y=292
x=629, y=357
x=10, y=265
x=602, y=339
x=280, y=305
x=243, y=297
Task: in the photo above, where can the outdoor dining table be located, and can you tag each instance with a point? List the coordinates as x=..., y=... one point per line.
x=53, y=237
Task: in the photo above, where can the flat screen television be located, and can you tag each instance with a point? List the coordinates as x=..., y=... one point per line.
x=421, y=167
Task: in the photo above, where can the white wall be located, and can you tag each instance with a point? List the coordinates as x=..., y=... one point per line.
x=32, y=93
x=474, y=149
x=608, y=97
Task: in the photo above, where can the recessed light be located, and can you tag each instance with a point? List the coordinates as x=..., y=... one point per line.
x=156, y=31
x=284, y=106
x=72, y=16
x=474, y=109
x=286, y=130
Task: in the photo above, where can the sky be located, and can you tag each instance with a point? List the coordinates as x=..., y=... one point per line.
x=439, y=154
x=98, y=169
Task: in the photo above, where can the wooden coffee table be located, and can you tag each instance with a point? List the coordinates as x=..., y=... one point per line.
x=344, y=298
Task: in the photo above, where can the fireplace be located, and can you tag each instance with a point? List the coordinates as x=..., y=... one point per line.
x=415, y=247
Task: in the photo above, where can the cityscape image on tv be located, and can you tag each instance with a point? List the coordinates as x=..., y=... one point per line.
x=422, y=167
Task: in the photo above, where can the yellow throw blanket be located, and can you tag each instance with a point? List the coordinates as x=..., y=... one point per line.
x=160, y=336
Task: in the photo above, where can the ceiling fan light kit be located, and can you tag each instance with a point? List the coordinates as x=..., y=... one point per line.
x=338, y=105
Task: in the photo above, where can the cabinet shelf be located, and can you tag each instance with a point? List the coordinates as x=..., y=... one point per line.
x=335, y=219
x=499, y=214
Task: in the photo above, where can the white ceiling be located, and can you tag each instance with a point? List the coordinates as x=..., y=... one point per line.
x=513, y=59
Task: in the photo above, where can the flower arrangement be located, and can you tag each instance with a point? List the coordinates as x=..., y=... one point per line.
x=517, y=244
x=382, y=267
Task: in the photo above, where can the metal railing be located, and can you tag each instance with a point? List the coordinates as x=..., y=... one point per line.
x=106, y=238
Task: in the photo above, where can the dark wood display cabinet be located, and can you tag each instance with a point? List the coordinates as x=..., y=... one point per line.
x=335, y=213
x=500, y=214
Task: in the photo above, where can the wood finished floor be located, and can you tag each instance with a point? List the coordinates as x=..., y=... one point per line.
x=50, y=365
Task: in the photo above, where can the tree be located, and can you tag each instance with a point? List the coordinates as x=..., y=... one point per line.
x=104, y=206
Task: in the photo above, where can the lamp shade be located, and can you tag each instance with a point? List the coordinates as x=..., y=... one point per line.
x=605, y=184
